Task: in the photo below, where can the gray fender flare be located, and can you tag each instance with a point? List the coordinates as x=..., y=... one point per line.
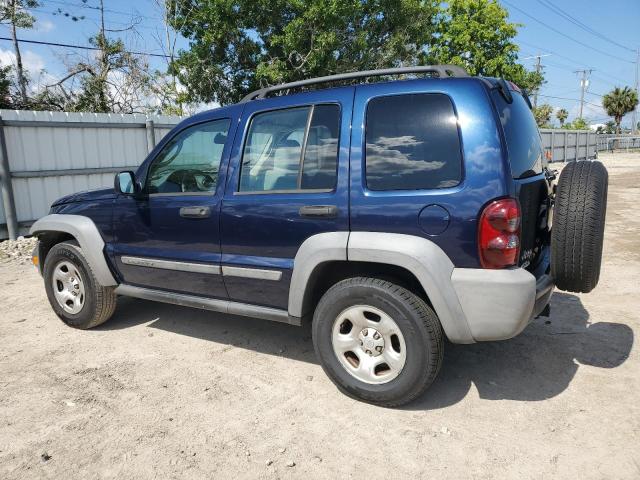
x=317, y=249
x=86, y=233
x=420, y=256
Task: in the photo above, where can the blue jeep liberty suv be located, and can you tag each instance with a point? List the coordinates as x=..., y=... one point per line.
x=390, y=213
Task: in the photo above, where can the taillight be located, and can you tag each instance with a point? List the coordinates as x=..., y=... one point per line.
x=499, y=234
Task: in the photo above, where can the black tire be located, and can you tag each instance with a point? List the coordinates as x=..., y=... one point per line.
x=578, y=226
x=99, y=301
x=417, y=322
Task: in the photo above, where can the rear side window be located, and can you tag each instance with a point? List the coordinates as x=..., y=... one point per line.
x=412, y=143
x=521, y=134
x=293, y=149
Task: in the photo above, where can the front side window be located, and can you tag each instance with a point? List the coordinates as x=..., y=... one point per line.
x=293, y=149
x=189, y=162
x=412, y=143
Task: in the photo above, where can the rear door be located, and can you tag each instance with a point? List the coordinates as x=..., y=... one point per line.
x=287, y=181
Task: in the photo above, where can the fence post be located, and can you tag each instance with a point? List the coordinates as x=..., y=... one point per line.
x=552, y=144
x=586, y=150
x=7, y=188
x=151, y=135
x=565, y=141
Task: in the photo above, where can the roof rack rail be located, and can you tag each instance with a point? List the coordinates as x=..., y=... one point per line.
x=442, y=71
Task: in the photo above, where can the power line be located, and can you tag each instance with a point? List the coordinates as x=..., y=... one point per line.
x=580, y=24
x=573, y=99
x=573, y=61
x=69, y=15
x=565, y=35
x=106, y=10
x=82, y=47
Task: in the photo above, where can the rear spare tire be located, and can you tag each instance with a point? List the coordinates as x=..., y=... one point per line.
x=578, y=226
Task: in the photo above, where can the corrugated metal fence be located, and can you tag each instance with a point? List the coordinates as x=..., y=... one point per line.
x=45, y=155
x=569, y=145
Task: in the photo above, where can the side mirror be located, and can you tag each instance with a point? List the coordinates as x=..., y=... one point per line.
x=125, y=183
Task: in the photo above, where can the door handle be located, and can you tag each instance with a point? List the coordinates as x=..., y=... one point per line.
x=319, y=211
x=195, y=212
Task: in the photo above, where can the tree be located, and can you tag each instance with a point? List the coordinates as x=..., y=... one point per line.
x=476, y=34
x=6, y=80
x=114, y=80
x=562, y=115
x=239, y=45
x=542, y=114
x=618, y=102
x=577, y=124
x=15, y=14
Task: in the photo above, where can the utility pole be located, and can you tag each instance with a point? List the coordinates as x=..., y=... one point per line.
x=634, y=118
x=584, y=83
x=539, y=68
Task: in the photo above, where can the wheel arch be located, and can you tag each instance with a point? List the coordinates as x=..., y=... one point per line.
x=55, y=228
x=415, y=262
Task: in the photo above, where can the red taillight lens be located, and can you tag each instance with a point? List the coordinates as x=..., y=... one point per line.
x=499, y=234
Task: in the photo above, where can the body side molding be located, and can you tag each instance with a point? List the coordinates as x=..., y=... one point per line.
x=86, y=233
x=171, y=265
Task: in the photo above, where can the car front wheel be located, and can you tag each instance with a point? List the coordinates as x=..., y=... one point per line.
x=73, y=291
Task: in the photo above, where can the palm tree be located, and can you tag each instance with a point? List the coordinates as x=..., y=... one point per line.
x=562, y=115
x=618, y=102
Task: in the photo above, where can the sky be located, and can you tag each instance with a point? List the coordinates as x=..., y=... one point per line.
x=605, y=44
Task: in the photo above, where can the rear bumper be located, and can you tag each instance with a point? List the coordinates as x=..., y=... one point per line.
x=499, y=304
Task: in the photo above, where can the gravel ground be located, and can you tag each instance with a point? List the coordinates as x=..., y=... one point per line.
x=168, y=392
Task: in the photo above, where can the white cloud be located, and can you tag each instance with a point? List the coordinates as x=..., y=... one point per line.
x=33, y=64
x=44, y=26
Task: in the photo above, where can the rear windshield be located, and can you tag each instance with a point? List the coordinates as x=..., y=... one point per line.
x=521, y=133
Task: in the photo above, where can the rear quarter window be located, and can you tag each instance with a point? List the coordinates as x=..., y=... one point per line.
x=524, y=145
x=412, y=143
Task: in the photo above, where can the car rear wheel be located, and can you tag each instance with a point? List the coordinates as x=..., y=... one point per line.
x=73, y=291
x=377, y=341
x=578, y=226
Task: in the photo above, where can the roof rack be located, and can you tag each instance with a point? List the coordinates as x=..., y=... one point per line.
x=442, y=71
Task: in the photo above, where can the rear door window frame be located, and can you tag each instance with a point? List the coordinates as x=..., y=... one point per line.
x=311, y=107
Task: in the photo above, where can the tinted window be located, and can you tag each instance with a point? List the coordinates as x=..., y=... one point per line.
x=190, y=161
x=278, y=140
x=321, y=154
x=521, y=134
x=412, y=143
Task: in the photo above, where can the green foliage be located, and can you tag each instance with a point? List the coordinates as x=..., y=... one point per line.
x=477, y=35
x=15, y=12
x=6, y=80
x=577, y=124
x=609, y=127
x=542, y=114
x=562, y=115
x=239, y=45
x=618, y=102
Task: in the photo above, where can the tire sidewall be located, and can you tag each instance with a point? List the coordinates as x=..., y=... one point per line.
x=416, y=367
x=72, y=254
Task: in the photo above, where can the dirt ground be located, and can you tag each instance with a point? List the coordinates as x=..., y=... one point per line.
x=169, y=392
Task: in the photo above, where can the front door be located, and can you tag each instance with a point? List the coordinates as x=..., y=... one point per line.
x=168, y=237
x=287, y=181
